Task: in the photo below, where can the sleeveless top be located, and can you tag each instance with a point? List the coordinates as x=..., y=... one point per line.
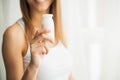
x=56, y=65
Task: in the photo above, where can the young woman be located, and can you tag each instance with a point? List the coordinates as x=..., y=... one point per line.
x=25, y=53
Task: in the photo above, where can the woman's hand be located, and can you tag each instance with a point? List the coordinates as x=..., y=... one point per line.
x=38, y=47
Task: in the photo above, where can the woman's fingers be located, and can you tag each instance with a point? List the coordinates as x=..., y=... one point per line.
x=42, y=47
x=45, y=37
x=39, y=33
x=46, y=48
x=42, y=38
x=38, y=43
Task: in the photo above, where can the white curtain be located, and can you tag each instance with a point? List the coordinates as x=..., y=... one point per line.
x=93, y=28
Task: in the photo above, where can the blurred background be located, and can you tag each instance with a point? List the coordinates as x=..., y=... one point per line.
x=93, y=29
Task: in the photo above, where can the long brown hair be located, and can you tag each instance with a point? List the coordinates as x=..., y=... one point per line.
x=55, y=9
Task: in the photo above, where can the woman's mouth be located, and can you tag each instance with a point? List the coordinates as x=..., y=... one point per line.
x=40, y=1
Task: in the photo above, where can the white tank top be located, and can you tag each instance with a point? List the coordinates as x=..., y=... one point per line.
x=56, y=65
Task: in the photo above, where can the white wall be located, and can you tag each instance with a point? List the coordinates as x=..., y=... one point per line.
x=2, y=76
x=9, y=13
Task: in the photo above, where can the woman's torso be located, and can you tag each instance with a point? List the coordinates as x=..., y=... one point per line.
x=56, y=65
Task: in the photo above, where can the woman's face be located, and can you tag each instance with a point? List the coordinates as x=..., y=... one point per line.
x=39, y=5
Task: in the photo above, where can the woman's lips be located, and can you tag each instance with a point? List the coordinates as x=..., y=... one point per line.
x=39, y=1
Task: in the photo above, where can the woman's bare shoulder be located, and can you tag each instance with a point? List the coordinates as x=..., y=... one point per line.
x=14, y=31
x=14, y=35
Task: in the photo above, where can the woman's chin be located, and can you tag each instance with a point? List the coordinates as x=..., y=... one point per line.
x=43, y=10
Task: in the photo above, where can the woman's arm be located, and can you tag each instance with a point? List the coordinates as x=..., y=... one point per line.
x=12, y=53
x=12, y=49
x=30, y=73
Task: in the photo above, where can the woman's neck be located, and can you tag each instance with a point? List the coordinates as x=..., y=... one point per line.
x=36, y=17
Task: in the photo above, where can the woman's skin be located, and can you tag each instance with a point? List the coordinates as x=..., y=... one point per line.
x=15, y=47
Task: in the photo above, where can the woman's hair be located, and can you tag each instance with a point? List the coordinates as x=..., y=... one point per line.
x=55, y=9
